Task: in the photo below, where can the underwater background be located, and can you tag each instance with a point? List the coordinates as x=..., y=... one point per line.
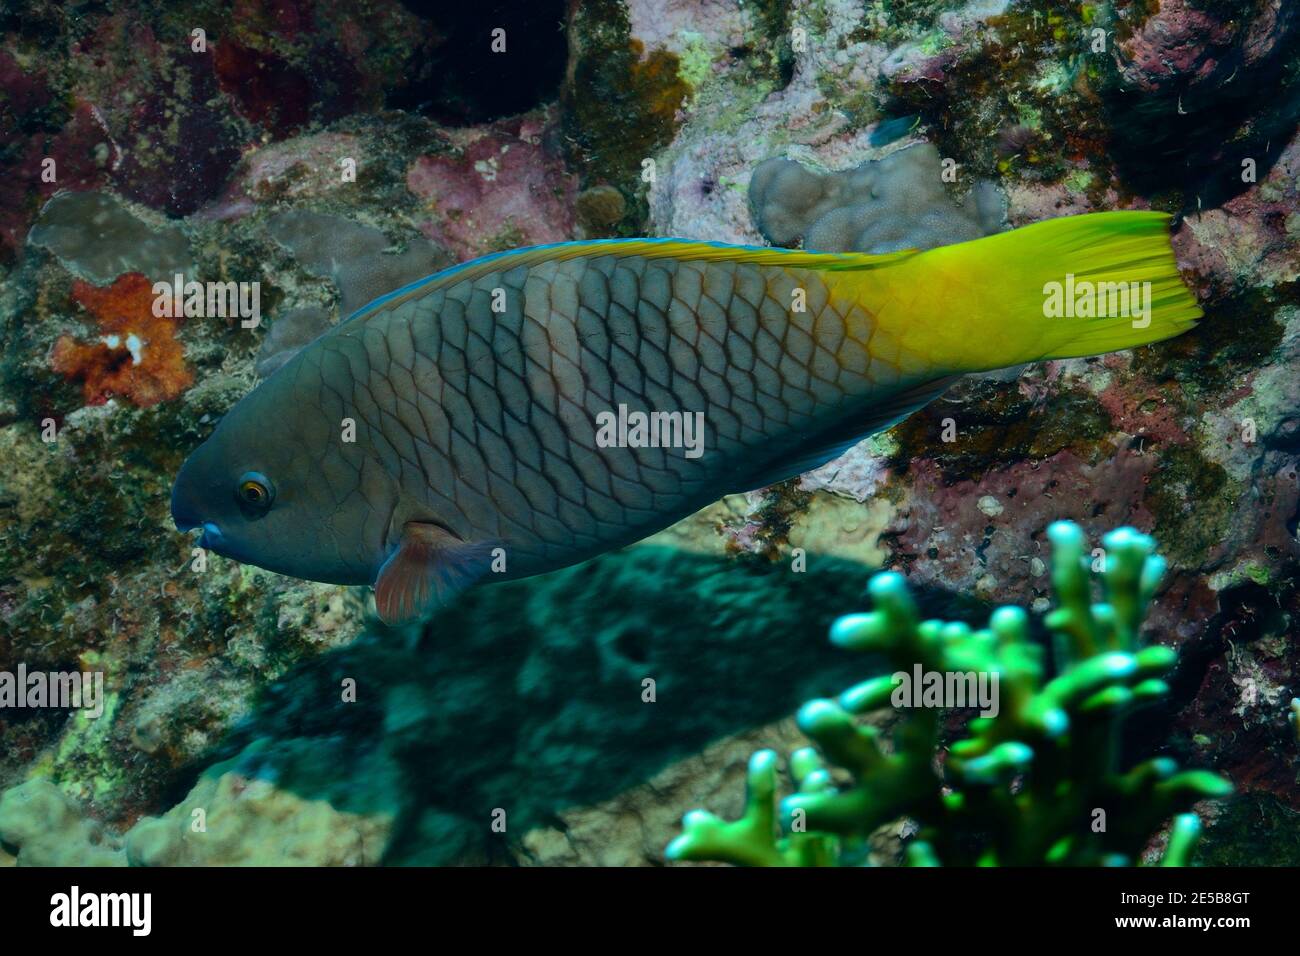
x=332, y=152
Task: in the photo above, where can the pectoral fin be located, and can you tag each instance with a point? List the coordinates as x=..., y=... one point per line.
x=430, y=566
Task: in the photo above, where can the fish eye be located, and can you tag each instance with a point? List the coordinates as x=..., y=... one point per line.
x=255, y=493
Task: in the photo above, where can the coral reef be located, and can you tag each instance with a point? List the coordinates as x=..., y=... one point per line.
x=291, y=331
x=359, y=260
x=228, y=819
x=1035, y=780
x=1166, y=438
x=327, y=153
x=47, y=828
x=885, y=205
x=425, y=749
x=499, y=188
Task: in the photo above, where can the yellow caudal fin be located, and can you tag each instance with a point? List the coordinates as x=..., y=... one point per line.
x=1078, y=285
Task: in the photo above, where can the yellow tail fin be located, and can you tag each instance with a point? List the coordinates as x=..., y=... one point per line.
x=1078, y=285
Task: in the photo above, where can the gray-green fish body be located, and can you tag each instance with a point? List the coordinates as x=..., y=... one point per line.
x=511, y=415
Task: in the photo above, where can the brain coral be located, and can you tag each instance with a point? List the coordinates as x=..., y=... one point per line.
x=899, y=202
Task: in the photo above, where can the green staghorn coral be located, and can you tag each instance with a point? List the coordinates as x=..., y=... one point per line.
x=1036, y=784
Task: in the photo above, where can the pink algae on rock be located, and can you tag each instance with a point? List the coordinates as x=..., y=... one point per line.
x=502, y=188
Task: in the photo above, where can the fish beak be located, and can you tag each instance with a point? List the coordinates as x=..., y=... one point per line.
x=186, y=522
x=212, y=538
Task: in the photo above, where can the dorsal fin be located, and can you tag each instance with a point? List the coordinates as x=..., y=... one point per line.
x=685, y=250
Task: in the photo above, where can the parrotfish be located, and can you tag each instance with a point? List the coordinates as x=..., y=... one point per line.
x=528, y=410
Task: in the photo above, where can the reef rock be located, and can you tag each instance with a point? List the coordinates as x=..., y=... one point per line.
x=884, y=205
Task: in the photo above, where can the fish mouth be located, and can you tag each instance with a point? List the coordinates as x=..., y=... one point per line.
x=188, y=519
x=189, y=507
x=185, y=521
x=212, y=539
x=186, y=506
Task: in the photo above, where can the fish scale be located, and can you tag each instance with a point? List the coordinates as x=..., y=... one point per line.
x=557, y=340
x=477, y=429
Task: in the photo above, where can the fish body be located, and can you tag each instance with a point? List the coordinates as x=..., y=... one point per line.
x=464, y=424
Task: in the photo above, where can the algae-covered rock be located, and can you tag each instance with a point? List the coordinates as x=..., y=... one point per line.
x=231, y=820
x=97, y=237
x=360, y=260
x=228, y=819
x=45, y=827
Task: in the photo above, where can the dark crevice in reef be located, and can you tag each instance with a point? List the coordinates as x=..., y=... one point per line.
x=773, y=19
x=1252, y=829
x=998, y=425
x=461, y=81
x=1192, y=135
x=1234, y=337
x=1248, y=612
